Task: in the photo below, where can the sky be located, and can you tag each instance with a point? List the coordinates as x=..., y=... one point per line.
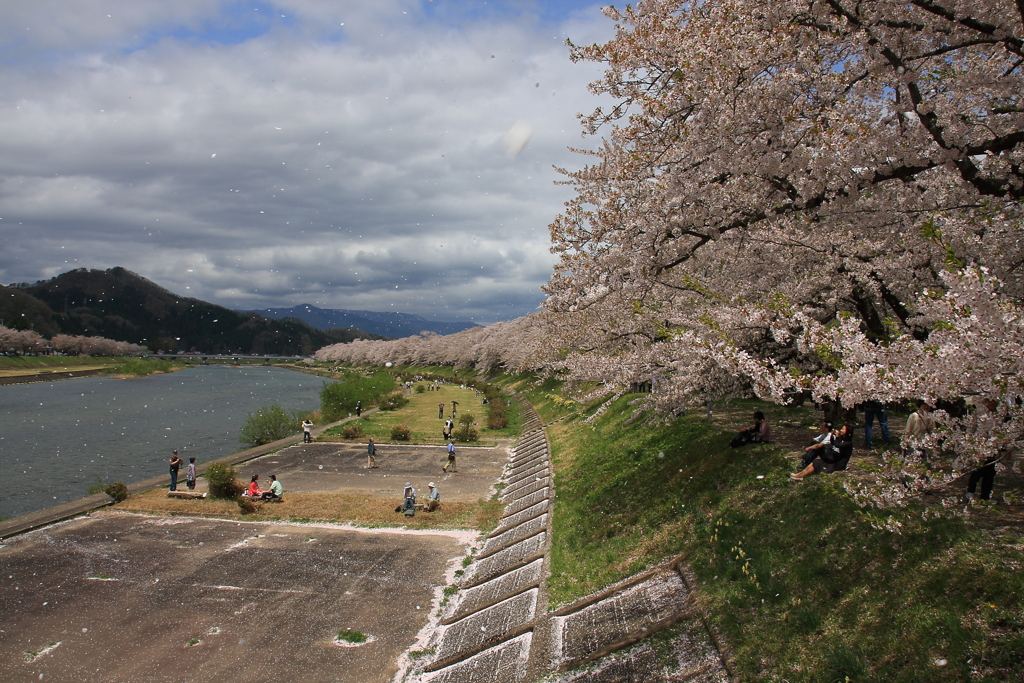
x=395, y=155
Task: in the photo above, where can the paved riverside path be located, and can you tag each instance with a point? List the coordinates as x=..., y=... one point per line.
x=80, y=506
x=496, y=628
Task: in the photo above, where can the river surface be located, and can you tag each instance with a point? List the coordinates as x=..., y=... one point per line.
x=56, y=438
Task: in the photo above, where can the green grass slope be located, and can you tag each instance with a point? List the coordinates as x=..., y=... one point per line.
x=794, y=575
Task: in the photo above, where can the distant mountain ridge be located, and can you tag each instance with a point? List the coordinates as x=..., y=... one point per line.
x=383, y=324
x=121, y=305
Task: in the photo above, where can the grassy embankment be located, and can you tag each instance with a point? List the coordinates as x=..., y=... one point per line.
x=11, y=366
x=793, y=574
x=420, y=415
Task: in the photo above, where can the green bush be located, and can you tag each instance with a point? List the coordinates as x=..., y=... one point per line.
x=497, y=420
x=466, y=433
x=338, y=399
x=467, y=419
x=118, y=491
x=393, y=401
x=401, y=432
x=267, y=424
x=352, y=431
x=420, y=388
x=223, y=481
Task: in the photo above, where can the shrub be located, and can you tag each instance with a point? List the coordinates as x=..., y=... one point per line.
x=350, y=636
x=392, y=401
x=223, y=481
x=267, y=424
x=338, y=399
x=466, y=433
x=246, y=505
x=421, y=388
x=401, y=432
x=497, y=420
x=352, y=431
x=466, y=419
x=118, y=491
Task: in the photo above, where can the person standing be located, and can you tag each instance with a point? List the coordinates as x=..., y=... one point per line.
x=371, y=452
x=455, y=407
x=451, y=457
x=190, y=474
x=440, y=411
x=307, y=431
x=359, y=408
x=873, y=409
x=986, y=473
x=175, y=463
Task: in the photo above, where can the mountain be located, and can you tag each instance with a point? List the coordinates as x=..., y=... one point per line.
x=119, y=304
x=384, y=324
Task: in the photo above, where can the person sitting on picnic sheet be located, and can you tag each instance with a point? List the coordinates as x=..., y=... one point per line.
x=761, y=432
x=409, y=502
x=254, y=490
x=276, y=490
x=833, y=458
x=822, y=441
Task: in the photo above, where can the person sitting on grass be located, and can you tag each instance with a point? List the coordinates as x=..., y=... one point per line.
x=276, y=490
x=409, y=502
x=821, y=442
x=433, y=498
x=254, y=490
x=833, y=457
x=761, y=432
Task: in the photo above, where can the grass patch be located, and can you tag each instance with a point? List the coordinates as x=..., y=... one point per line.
x=358, y=510
x=419, y=416
x=350, y=636
x=139, y=367
x=793, y=574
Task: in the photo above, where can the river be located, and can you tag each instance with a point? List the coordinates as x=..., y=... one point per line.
x=56, y=438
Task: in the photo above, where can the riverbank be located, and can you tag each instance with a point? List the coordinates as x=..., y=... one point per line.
x=26, y=369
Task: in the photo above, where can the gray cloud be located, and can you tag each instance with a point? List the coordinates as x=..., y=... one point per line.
x=356, y=166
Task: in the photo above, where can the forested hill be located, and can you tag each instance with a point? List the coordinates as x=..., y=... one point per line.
x=121, y=305
x=386, y=324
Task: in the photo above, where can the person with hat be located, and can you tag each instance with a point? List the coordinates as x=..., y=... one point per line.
x=175, y=463
x=433, y=498
x=409, y=504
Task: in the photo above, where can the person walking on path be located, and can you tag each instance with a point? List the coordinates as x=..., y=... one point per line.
x=371, y=451
x=440, y=411
x=873, y=409
x=307, y=431
x=433, y=498
x=175, y=463
x=451, y=457
x=359, y=408
x=455, y=407
x=190, y=474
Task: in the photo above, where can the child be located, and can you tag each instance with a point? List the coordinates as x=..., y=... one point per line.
x=190, y=474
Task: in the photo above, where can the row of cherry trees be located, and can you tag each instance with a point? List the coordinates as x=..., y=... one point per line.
x=25, y=342
x=797, y=198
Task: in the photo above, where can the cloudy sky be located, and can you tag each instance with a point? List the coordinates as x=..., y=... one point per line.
x=358, y=155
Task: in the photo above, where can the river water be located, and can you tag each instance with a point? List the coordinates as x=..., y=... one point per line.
x=56, y=438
